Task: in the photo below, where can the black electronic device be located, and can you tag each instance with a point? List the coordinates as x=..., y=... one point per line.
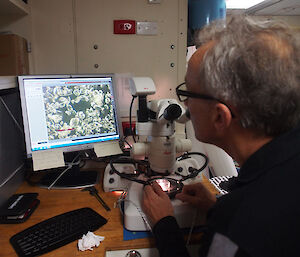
x=56, y=232
x=222, y=183
x=18, y=208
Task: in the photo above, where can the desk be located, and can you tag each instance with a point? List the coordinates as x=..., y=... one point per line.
x=54, y=202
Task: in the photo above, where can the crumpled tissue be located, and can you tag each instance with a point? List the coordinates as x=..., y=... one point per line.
x=88, y=241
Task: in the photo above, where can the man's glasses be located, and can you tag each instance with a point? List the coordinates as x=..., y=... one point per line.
x=183, y=95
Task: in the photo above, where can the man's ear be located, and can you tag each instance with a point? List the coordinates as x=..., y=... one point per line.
x=222, y=118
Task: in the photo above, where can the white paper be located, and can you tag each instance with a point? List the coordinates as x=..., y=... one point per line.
x=88, y=241
x=107, y=148
x=48, y=159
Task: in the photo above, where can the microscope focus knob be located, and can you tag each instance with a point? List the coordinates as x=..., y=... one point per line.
x=191, y=169
x=180, y=169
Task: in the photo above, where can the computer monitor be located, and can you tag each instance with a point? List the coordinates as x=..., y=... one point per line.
x=70, y=112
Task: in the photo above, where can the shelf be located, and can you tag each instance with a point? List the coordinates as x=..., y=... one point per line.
x=14, y=7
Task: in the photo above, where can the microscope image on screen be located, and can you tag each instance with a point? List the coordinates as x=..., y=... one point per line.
x=68, y=112
x=76, y=111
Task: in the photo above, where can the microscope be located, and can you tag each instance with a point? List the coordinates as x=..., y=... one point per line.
x=158, y=146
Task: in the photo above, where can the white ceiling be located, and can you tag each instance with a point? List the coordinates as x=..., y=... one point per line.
x=274, y=7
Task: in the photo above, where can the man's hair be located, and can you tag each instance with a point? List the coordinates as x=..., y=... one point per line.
x=254, y=65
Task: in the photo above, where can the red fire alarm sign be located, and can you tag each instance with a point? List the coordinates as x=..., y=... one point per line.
x=124, y=27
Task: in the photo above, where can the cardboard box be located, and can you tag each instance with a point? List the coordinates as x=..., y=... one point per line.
x=13, y=55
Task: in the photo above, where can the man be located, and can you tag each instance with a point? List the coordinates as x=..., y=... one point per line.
x=243, y=94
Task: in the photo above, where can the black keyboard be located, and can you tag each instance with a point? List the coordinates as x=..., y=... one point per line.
x=56, y=232
x=218, y=181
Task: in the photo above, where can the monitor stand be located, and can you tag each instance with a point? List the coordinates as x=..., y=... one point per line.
x=71, y=179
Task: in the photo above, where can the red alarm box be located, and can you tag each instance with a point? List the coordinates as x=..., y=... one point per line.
x=124, y=27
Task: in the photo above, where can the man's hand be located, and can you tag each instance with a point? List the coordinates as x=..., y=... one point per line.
x=197, y=195
x=156, y=203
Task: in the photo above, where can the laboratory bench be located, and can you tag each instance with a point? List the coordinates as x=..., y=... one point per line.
x=57, y=201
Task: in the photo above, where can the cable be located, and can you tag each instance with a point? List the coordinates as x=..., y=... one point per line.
x=61, y=174
x=11, y=175
x=11, y=115
x=125, y=150
x=121, y=199
x=192, y=227
x=130, y=177
x=130, y=118
x=130, y=146
x=54, y=182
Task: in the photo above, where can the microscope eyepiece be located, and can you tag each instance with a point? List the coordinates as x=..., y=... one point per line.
x=172, y=112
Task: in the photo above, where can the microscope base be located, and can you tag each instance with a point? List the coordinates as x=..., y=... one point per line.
x=185, y=214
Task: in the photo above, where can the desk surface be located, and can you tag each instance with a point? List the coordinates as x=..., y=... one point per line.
x=54, y=202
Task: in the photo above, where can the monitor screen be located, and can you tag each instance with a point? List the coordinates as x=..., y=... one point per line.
x=68, y=111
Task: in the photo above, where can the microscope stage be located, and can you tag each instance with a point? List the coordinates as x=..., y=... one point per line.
x=185, y=214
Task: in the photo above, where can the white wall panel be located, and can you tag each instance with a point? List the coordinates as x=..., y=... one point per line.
x=53, y=36
x=140, y=55
x=65, y=32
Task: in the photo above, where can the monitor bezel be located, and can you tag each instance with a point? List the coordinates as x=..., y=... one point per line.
x=72, y=148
